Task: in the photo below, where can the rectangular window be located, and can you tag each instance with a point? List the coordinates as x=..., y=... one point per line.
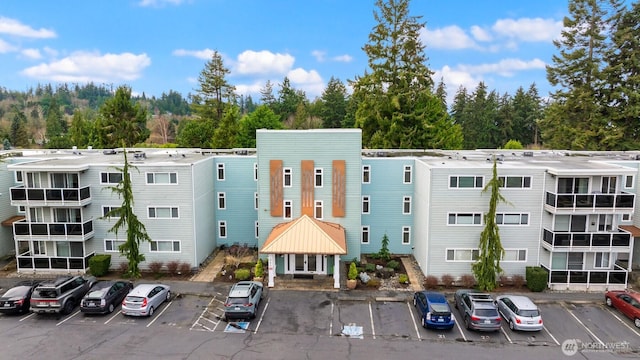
x=163, y=212
x=111, y=245
x=287, y=174
x=166, y=246
x=18, y=176
x=366, y=174
x=318, y=209
x=110, y=177
x=515, y=255
x=628, y=182
x=466, y=255
x=466, y=182
x=256, y=203
x=222, y=201
x=162, y=178
x=107, y=208
x=406, y=179
x=22, y=209
x=221, y=172
x=601, y=260
x=365, y=204
x=515, y=182
x=317, y=177
x=288, y=209
x=257, y=230
x=406, y=205
x=465, y=219
x=512, y=219
x=406, y=235
x=364, y=237
x=255, y=171
x=626, y=217
x=222, y=229
x=573, y=185
x=39, y=248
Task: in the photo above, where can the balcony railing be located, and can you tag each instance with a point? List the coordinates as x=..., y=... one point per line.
x=622, y=201
x=587, y=241
x=50, y=196
x=24, y=230
x=27, y=261
x=618, y=276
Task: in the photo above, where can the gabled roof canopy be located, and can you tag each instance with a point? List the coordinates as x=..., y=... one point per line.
x=306, y=236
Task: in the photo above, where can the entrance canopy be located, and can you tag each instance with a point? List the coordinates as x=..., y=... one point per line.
x=306, y=235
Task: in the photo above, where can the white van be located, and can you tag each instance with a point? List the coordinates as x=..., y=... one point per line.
x=520, y=312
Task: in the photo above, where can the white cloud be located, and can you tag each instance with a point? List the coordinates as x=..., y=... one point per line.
x=5, y=47
x=263, y=62
x=449, y=37
x=50, y=52
x=205, y=54
x=319, y=55
x=480, y=34
x=309, y=81
x=16, y=28
x=86, y=66
x=159, y=3
x=505, y=67
x=250, y=89
x=31, y=53
x=527, y=29
x=342, y=58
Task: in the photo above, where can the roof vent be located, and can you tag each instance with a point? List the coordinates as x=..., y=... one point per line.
x=139, y=155
x=528, y=153
x=109, y=152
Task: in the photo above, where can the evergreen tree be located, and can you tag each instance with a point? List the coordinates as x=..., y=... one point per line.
x=18, y=132
x=123, y=122
x=80, y=129
x=288, y=100
x=195, y=134
x=480, y=125
x=333, y=104
x=266, y=95
x=262, y=118
x=215, y=92
x=224, y=137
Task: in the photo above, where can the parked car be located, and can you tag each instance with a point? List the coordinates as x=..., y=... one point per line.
x=61, y=295
x=520, y=312
x=144, y=299
x=626, y=302
x=17, y=300
x=104, y=296
x=434, y=310
x=243, y=300
x=478, y=310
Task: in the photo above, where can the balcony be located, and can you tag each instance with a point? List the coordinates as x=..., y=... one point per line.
x=24, y=231
x=583, y=241
x=590, y=203
x=558, y=279
x=21, y=196
x=26, y=261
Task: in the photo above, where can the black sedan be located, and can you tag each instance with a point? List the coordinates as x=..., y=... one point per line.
x=17, y=300
x=104, y=296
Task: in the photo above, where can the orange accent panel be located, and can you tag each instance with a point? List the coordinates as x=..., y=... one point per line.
x=306, y=187
x=275, y=180
x=339, y=188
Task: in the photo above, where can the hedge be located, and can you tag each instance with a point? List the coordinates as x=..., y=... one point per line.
x=99, y=264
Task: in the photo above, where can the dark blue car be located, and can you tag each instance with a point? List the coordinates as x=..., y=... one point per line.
x=434, y=310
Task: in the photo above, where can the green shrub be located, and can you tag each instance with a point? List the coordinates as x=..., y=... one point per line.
x=537, y=278
x=403, y=279
x=242, y=274
x=259, y=270
x=353, y=271
x=393, y=264
x=370, y=267
x=99, y=264
x=373, y=283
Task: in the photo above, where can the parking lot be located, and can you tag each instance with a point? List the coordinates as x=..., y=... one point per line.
x=328, y=314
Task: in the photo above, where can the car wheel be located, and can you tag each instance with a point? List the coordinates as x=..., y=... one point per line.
x=110, y=309
x=68, y=307
x=511, y=326
x=424, y=323
x=168, y=295
x=151, y=311
x=636, y=322
x=607, y=300
x=467, y=323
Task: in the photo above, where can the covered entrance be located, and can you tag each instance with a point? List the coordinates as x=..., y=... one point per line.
x=307, y=245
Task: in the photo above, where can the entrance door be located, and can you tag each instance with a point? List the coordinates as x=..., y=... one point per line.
x=307, y=263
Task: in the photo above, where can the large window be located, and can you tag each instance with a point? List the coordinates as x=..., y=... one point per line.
x=406, y=235
x=601, y=260
x=406, y=178
x=110, y=177
x=365, y=204
x=162, y=178
x=465, y=219
x=222, y=201
x=515, y=255
x=287, y=175
x=220, y=174
x=406, y=205
x=163, y=212
x=466, y=255
x=512, y=219
x=364, y=237
x=517, y=182
x=466, y=182
x=366, y=174
x=164, y=246
x=111, y=245
x=573, y=185
x=318, y=177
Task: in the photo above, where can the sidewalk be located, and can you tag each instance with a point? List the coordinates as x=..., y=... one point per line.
x=211, y=269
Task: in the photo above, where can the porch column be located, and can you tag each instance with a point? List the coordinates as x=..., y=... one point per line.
x=272, y=269
x=336, y=271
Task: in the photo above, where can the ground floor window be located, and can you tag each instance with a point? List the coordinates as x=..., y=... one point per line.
x=165, y=246
x=602, y=260
x=462, y=254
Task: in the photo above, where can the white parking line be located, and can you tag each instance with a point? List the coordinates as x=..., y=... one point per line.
x=74, y=314
x=415, y=325
x=162, y=312
x=505, y=335
x=201, y=317
x=623, y=322
x=262, y=316
x=458, y=325
x=28, y=316
x=331, y=322
x=583, y=325
x=112, y=317
x=373, y=329
x=553, y=337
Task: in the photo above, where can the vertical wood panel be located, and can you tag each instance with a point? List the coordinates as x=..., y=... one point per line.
x=306, y=187
x=339, y=188
x=275, y=180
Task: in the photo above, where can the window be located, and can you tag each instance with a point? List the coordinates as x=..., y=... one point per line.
x=257, y=232
x=160, y=212
x=365, y=204
x=625, y=217
x=601, y=260
x=515, y=255
x=22, y=209
x=256, y=202
x=406, y=205
x=515, y=182
x=467, y=255
x=287, y=173
x=162, y=178
x=407, y=175
x=288, y=209
x=318, y=209
x=107, y=208
x=366, y=174
x=573, y=185
x=406, y=235
x=33, y=180
x=318, y=177
x=364, y=236
x=164, y=246
x=220, y=172
x=628, y=181
x=111, y=245
x=18, y=176
x=466, y=182
x=465, y=219
x=39, y=248
x=255, y=171
x=512, y=219
x=222, y=201
x=110, y=177
x=222, y=229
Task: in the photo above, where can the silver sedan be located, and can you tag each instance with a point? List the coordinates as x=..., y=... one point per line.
x=144, y=299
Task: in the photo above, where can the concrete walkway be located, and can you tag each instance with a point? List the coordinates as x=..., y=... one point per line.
x=416, y=279
x=209, y=272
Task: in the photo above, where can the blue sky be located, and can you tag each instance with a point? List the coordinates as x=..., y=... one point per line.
x=155, y=46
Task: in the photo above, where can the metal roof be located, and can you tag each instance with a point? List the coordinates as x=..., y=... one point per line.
x=306, y=236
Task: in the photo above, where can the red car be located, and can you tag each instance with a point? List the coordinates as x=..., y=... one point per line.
x=626, y=302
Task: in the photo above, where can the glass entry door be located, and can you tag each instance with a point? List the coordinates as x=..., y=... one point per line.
x=307, y=263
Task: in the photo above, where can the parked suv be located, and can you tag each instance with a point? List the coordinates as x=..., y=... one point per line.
x=478, y=310
x=243, y=300
x=60, y=295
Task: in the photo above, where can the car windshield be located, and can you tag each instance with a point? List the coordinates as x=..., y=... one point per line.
x=16, y=291
x=487, y=312
x=440, y=309
x=529, y=313
x=46, y=293
x=97, y=293
x=238, y=300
